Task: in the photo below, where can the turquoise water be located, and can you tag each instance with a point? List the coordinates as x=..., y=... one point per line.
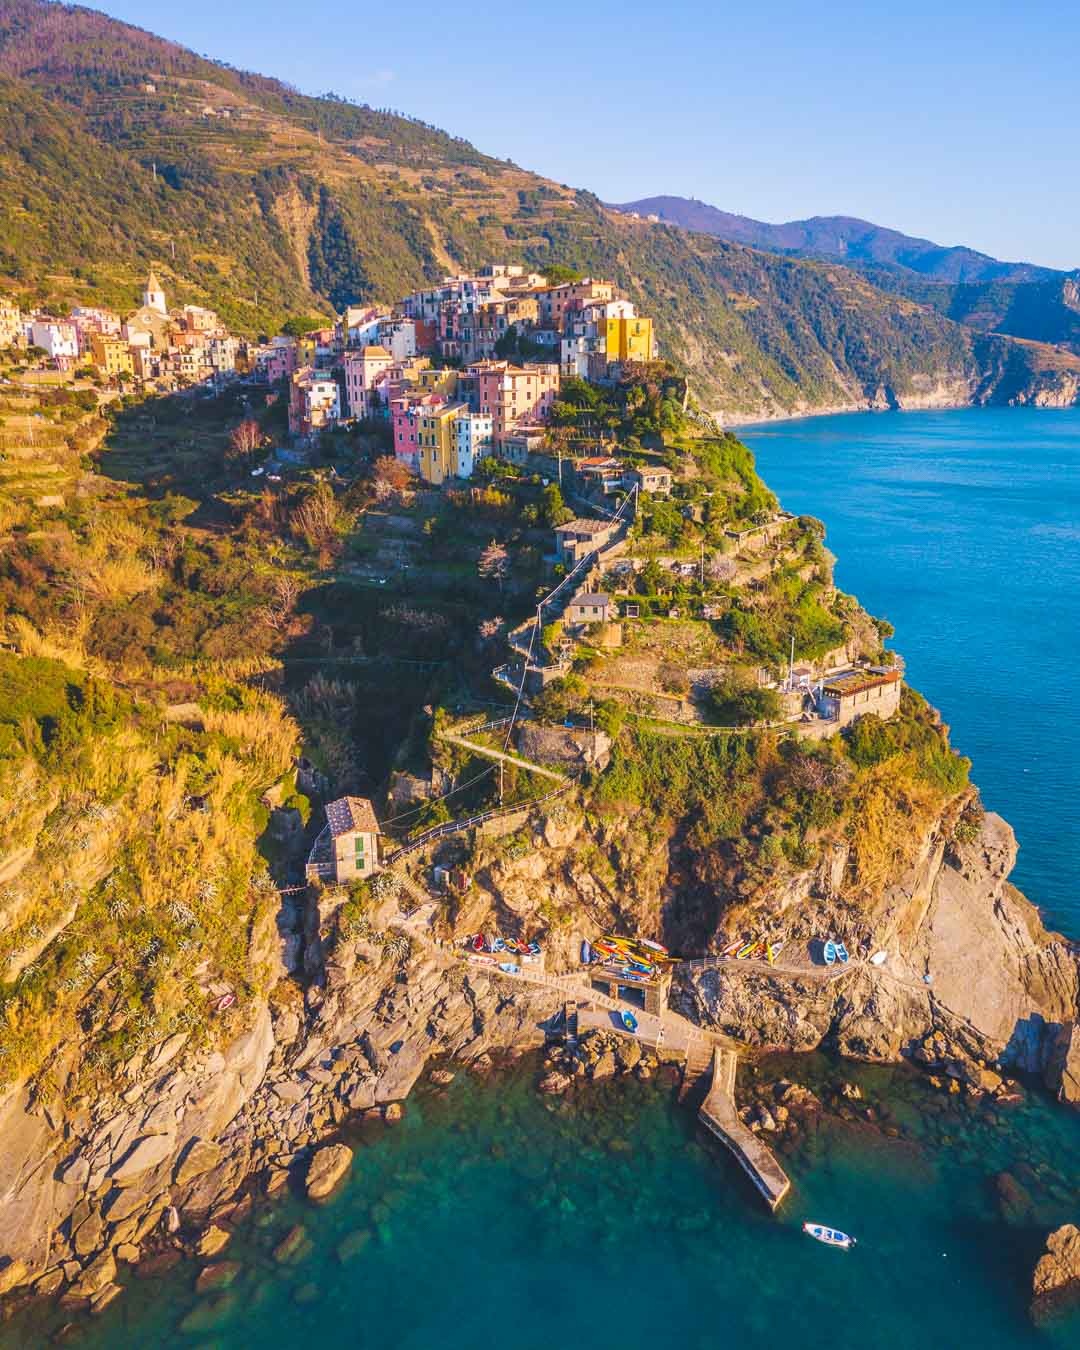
x=963, y=529
x=491, y=1217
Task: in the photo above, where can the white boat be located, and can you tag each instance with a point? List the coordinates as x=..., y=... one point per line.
x=830, y=1236
x=879, y=958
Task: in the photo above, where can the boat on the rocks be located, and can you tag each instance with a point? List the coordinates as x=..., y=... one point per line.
x=629, y=1021
x=841, y=953
x=829, y=952
x=832, y=1237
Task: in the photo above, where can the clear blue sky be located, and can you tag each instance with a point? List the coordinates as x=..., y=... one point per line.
x=956, y=120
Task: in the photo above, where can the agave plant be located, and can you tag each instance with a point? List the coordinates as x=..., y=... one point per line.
x=398, y=948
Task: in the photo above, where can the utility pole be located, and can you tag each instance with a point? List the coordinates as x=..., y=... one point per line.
x=500, y=782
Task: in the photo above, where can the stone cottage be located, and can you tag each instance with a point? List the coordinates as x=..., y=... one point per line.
x=348, y=844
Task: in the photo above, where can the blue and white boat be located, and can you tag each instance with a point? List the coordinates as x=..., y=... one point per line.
x=829, y=952
x=629, y=1021
x=841, y=953
x=832, y=1237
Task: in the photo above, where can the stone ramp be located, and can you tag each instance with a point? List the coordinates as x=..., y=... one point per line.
x=719, y=1116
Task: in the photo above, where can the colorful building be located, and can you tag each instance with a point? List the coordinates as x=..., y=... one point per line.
x=314, y=402
x=513, y=395
x=475, y=440
x=438, y=441
x=362, y=369
x=11, y=325
x=628, y=339
x=111, y=355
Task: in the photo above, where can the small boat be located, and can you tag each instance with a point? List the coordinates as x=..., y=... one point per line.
x=629, y=1021
x=732, y=947
x=841, y=953
x=534, y=948
x=498, y=945
x=772, y=951
x=749, y=950
x=509, y=968
x=879, y=958
x=653, y=946
x=586, y=952
x=478, y=943
x=830, y=1236
x=829, y=952
x=224, y=1002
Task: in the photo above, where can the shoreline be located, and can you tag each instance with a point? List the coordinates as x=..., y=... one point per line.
x=736, y=421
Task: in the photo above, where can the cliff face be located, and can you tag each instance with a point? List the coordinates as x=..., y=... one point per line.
x=970, y=973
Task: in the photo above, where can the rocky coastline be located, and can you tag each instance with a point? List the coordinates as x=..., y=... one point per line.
x=974, y=991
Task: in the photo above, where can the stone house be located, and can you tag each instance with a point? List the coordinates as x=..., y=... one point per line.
x=650, y=478
x=588, y=607
x=846, y=697
x=577, y=538
x=348, y=844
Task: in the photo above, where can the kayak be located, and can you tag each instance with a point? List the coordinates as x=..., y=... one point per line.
x=629, y=1021
x=748, y=950
x=478, y=943
x=732, y=947
x=586, y=952
x=653, y=946
x=534, y=948
x=498, y=945
x=509, y=968
x=830, y=1236
x=829, y=952
x=841, y=953
x=879, y=958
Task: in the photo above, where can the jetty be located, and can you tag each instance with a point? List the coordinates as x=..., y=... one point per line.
x=721, y=1118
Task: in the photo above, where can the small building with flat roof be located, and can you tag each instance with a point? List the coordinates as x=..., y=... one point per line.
x=588, y=607
x=848, y=696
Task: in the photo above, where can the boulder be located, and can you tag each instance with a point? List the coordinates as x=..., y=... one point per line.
x=442, y=1077
x=353, y=1244
x=392, y=1112
x=199, y=1157
x=218, y=1275
x=291, y=1244
x=87, y=1237
x=122, y=1204
x=145, y=1154
x=604, y=1066
x=554, y=1083
x=104, y=1297
x=1057, y=1274
x=128, y=1253
x=12, y=1273
x=327, y=1167
x=100, y=1272
x=212, y=1241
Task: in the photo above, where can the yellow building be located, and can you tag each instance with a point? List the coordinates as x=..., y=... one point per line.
x=111, y=355
x=629, y=339
x=437, y=434
x=443, y=382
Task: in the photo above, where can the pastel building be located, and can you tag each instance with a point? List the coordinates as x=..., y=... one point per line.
x=58, y=340
x=314, y=402
x=513, y=395
x=362, y=370
x=438, y=441
x=111, y=355
x=475, y=439
x=11, y=324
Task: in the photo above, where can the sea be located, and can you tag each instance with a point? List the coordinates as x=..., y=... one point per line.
x=493, y=1216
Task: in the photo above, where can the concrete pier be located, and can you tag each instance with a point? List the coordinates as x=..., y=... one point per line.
x=719, y=1115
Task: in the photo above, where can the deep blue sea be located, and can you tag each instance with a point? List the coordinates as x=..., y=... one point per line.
x=963, y=529
x=494, y=1217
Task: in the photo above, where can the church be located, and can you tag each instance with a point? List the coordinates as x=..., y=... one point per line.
x=151, y=318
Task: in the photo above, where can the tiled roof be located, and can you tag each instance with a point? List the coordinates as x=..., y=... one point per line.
x=855, y=681
x=351, y=813
x=583, y=527
x=591, y=598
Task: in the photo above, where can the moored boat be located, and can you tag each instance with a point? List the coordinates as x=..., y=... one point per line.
x=829, y=952
x=832, y=1237
x=629, y=1021
x=841, y=953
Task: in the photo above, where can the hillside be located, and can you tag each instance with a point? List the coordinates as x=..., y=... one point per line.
x=262, y=202
x=971, y=288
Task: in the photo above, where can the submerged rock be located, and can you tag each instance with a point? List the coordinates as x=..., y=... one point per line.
x=327, y=1167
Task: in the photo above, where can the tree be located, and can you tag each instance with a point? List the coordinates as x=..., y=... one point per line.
x=318, y=520
x=555, y=510
x=244, y=439
x=390, y=475
x=494, y=563
x=738, y=700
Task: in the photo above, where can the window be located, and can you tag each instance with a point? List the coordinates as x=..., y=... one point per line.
x=360, y=851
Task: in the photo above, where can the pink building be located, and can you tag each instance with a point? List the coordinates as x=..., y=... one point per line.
x=514, y=395
x=362, y=369
x=405, y=414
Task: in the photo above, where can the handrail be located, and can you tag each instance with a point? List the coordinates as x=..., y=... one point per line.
x=455, y=826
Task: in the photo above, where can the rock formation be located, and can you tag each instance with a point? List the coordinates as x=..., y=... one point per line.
x=1056, y=1283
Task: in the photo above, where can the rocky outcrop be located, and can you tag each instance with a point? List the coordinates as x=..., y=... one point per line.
x=1056, y=1283
x=1063, y=1066
x=971, y=976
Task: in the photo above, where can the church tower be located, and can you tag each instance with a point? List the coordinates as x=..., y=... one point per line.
x=153, y=295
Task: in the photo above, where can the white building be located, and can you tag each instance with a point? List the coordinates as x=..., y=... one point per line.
x=60, y=341
x=398, y=337
x=475, y=434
